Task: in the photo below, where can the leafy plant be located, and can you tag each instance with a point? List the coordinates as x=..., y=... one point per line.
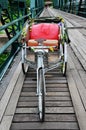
x=3, y=58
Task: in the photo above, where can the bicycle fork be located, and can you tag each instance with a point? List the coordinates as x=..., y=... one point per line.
x=40, y=65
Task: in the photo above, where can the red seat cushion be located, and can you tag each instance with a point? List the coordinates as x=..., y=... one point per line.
x=45, y=31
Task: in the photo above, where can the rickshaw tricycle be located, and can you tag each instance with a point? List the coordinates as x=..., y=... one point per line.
x=44, y=47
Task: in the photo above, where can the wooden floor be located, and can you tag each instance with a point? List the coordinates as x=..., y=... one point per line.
x=59, y=111
x=66, y=97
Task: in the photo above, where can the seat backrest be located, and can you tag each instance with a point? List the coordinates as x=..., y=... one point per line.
x=45, y=31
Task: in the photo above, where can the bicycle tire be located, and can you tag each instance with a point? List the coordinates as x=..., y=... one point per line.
x=64, y=64
x=23, y=68
x=42, y=96
x=64, y=68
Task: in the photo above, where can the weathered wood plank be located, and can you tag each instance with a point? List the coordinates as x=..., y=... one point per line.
x=5, y=99
x=48, y=85
x=47, y=110
x=79, y=84
x=15, y=96
x=53, y=89
x=63, y=93
x=45, y=125
x=48, y=98
x=48, y=77
x=74, y=59
x=10, y=110
x=78, y=106
x=6, y=123
x=48, y=117
x=47, y=104
x=83, y=77
x=47, y=82
x=9, y=73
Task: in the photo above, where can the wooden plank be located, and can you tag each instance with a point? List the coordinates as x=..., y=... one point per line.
x=57, y=89
x=80, y=57
x=10, y=110
x=48, y=98
x=78, y=106
x=78, y=66
x=48, y=85
x=48, y=117
x=48, y=77
x=53, y=89
x=83, y=77
x=45, y=125
x=15, y=96
x=47, y=82
x=78, y=44
x=74, y=59
x=25, y=94
x=27, y=104
x=47, y=104
x=58, y=110
x=79, y=84
x=5, y=99
x=6, y=123
x=47, y=110
x=9, y=73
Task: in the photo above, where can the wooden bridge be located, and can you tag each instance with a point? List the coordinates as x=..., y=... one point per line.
x=66, y=96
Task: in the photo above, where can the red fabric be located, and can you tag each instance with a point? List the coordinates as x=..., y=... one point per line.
x=45, y=31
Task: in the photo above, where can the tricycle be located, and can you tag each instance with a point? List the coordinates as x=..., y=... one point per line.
x=44, y=47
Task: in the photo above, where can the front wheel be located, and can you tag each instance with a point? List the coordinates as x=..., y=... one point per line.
x=23, y=68
x=64, y=68
x=41, y=96
x=64, y=64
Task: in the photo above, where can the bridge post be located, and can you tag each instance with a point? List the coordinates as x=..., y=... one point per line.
x=0, y=11
x=32, y=6
x=68, y=5
x=63, y=5
x=56, y=3
x=77, y=5
x=60, y=4
x=36, y=6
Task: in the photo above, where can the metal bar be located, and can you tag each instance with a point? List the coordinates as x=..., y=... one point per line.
x=54, y=66
x=38, y=14
x=4, y=68
x=13, y=22
x=9, y=42
x=0, y=11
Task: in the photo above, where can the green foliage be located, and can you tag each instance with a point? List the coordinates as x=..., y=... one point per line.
x=66, y=1
x=28, y=3
x=3, y=57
